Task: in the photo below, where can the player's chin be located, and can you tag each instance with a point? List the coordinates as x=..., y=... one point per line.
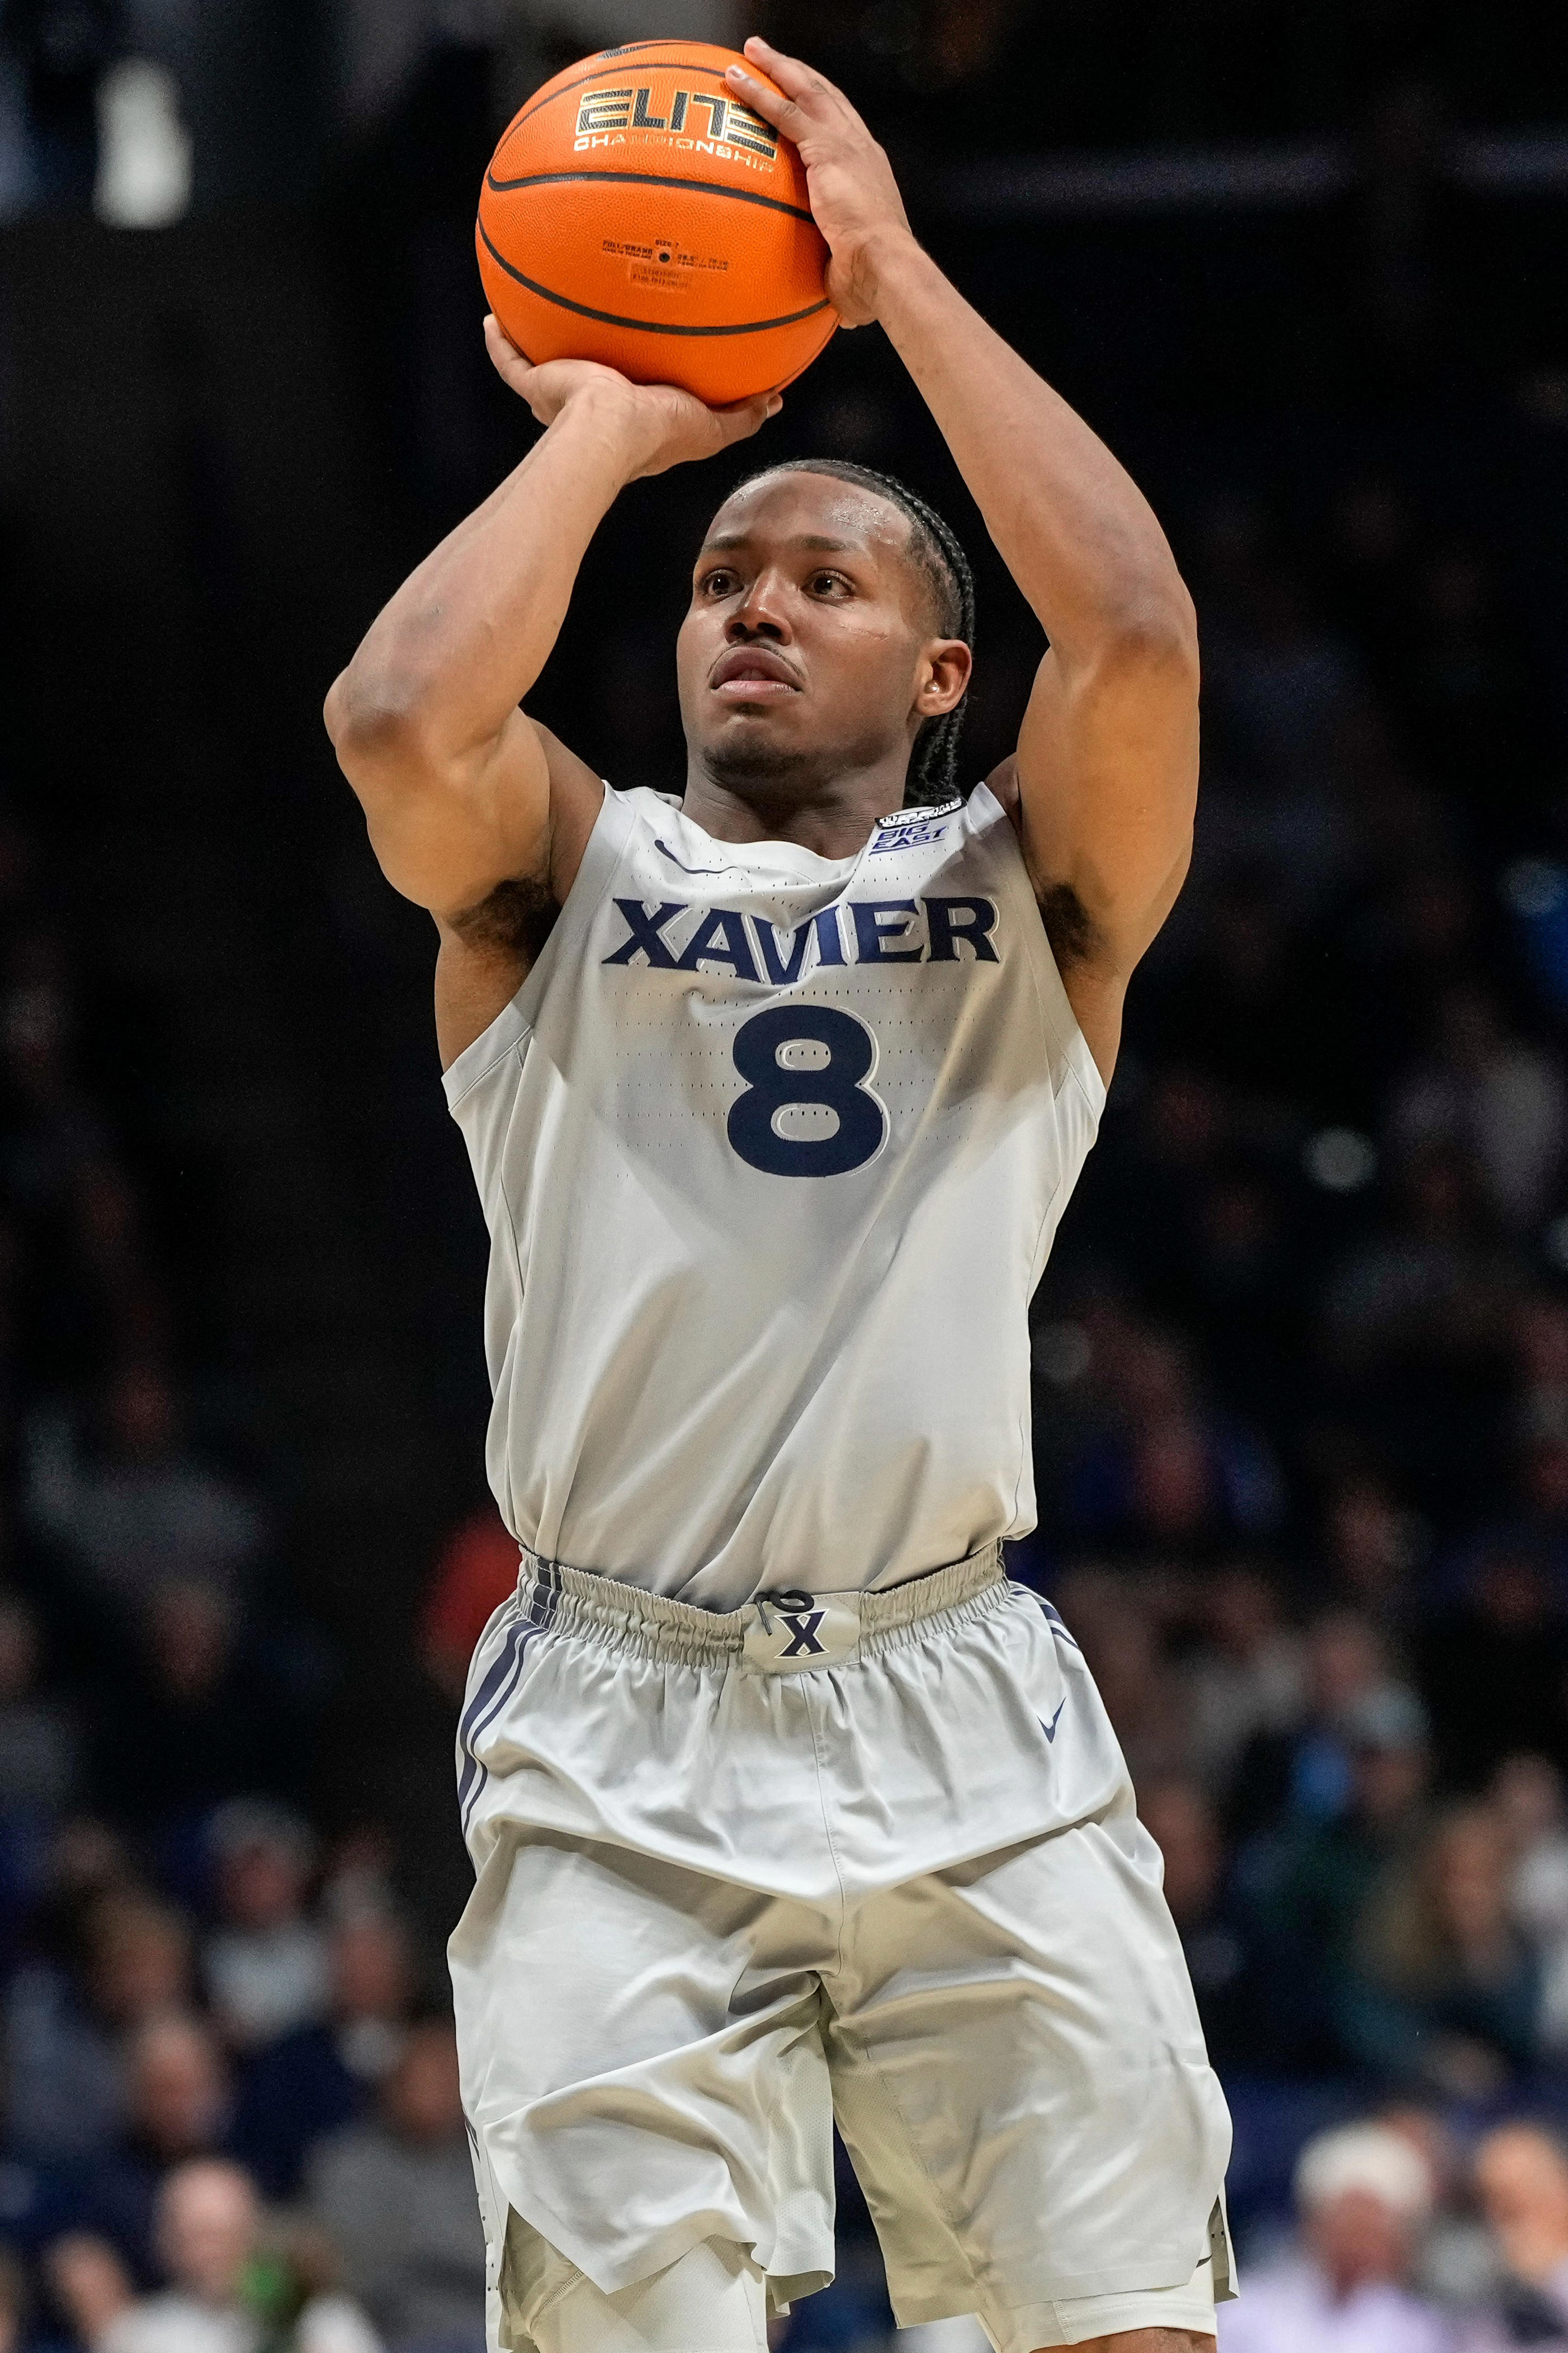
x=776, y=718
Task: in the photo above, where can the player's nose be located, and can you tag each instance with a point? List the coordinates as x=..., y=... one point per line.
x=763, y=612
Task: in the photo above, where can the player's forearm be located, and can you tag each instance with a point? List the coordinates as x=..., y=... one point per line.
x=448, y=659
x=1073, y=530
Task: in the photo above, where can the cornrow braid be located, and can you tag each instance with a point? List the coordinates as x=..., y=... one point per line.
x=934, y=546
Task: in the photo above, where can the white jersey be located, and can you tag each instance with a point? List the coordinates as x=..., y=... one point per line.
x=771, y=1149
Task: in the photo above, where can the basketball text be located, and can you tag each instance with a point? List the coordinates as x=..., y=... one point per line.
x=700, y=121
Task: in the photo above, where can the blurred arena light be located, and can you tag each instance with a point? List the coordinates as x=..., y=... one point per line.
x=16, y=179
x=1062, y=1351
x=1535, y=893
x=1340, y=1159
x=1256, y=175
x=145, y=148
x=1534, y=888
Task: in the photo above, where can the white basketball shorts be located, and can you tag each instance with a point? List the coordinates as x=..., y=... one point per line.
x=864, y=1857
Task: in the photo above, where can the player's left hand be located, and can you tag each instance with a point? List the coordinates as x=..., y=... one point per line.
x=855, y=199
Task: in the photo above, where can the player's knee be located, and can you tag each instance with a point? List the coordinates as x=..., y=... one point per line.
x=712, y=2300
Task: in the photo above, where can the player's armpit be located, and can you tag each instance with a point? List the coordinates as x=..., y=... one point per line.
x=484, y=959
x=515, y=920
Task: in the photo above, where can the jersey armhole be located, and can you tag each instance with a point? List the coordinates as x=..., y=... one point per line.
x=1059, y=1020
x=512, y=1024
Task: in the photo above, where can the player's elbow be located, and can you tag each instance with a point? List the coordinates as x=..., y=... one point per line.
x=1153, y=629
x=377, y=732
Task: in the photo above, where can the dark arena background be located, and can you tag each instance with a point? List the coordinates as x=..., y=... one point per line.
x=1301, y=1354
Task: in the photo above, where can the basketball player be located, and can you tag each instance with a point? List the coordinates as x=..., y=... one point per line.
x=784, y=1804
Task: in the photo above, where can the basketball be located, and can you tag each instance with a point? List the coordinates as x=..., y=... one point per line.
x=636, y=213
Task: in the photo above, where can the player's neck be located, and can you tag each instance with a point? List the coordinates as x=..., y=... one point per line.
x=832, y=816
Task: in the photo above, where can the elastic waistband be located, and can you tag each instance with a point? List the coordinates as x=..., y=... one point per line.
x=778, y=1632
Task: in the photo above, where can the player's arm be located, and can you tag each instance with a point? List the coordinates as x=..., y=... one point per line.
x=475, y=811
x=1105, y=778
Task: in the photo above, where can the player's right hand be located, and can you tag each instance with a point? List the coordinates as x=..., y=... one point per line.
x=663, y=426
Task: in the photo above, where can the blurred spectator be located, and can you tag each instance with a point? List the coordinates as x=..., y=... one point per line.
x=475, y=1572
x=1492, y=1667
x=1417, y=1319
x=266, y=1966
x=13, y=2305
x=192, y=1711
x=1536, y=1518
x=1248, y=1677
x=39, y=1763
x=1540, y=1345
x=127, y=1960
x=1526, y=1795
x=132, y=1507
x=1363, y=2195
x=396, y=2196
x=1239, y=1013
x=1496, y=1097
x=1300, y=1770
x=1432, y=1284
x=308, y=2082
x=1372, y=1548
x=1177, y=1475
x=1456, y=2258
x=1521, y=2175
x=1416, y=925
x=39, y=1739
x=1305, y=1890
x=357, y=1875
x=223, y=2296
x=1141, y=1694
x=1444, y=1993
x=177, y=2107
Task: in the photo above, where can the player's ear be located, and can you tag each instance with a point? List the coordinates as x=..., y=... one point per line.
x=945, y=665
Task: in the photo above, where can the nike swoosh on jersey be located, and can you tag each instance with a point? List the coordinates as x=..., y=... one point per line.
x=1050, y=1729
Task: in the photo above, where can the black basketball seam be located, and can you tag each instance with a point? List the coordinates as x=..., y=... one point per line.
x=645, y=326
x=517, y=121
x=649, y=180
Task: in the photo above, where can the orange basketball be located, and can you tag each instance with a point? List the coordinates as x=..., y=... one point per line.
x=637, y=213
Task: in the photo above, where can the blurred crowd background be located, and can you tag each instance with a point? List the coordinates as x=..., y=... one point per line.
x=1302, y=1357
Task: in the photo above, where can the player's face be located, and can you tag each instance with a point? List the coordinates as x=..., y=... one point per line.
x=806, y=649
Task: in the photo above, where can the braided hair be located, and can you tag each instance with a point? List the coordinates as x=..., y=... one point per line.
x=935, y=548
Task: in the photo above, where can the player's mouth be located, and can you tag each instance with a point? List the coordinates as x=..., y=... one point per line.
x=752, y=674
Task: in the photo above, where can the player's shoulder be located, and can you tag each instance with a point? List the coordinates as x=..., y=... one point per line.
x=1002, y=785
x=646, y=805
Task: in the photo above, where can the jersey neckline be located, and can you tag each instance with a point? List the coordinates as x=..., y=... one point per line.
x=770, y=850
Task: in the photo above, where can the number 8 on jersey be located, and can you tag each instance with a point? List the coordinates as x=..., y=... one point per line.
x=776, y=1086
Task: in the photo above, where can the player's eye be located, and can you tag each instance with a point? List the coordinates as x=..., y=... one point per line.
x=828, y=583
x=718, y=582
